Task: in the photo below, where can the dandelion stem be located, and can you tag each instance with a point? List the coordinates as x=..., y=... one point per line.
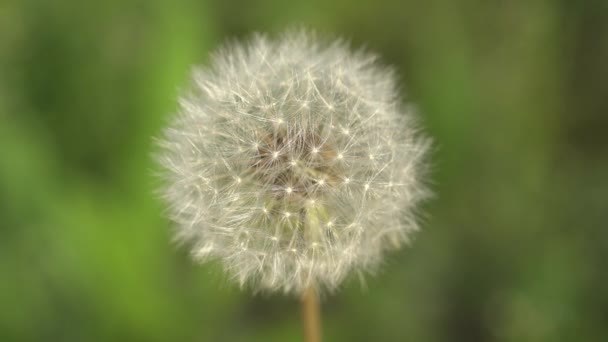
x=311, y=315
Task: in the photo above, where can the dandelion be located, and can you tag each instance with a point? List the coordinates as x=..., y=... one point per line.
x=293, y=162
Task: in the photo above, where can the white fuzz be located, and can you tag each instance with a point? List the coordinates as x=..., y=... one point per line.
x=293, y=162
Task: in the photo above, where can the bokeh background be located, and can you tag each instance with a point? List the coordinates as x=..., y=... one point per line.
x=514, y=244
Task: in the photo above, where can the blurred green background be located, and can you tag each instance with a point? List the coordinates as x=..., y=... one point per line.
x=513, y=92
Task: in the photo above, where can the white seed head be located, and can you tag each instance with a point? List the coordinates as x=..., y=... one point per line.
x=293, y=162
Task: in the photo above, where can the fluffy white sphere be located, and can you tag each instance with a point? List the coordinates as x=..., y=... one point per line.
x=293, y=162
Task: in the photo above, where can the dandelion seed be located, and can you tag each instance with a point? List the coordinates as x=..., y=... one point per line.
x=280, y=114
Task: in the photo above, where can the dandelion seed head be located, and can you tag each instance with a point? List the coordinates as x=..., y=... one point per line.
x=294, y=162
